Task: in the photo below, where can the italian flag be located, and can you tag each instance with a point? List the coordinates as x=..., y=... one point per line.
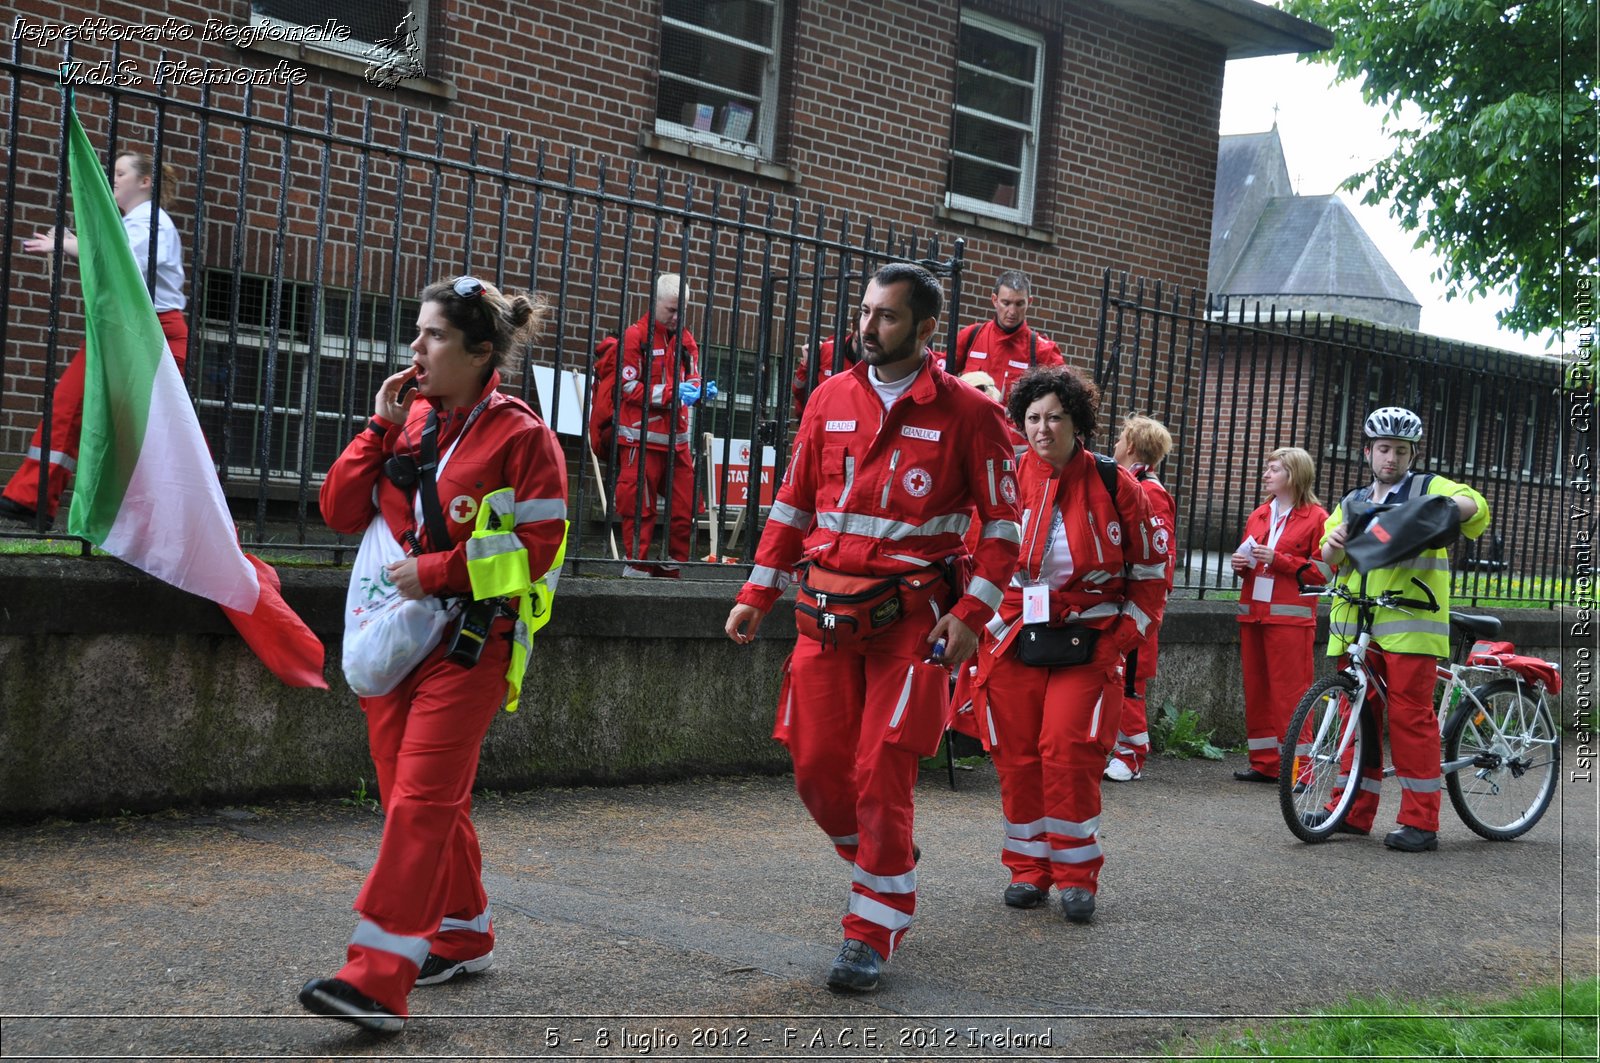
x=146, y=491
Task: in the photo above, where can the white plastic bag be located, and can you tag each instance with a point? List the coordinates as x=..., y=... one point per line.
x=385, y=635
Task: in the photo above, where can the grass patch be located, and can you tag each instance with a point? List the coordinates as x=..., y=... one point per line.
x=1553, y=1022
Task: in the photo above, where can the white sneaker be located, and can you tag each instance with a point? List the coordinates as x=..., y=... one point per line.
x=1117, y=770
x=629, y=572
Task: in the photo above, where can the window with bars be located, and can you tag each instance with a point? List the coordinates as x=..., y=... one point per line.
x=995, y=132
x=719, y=79
x=322, y=381
x=390, y=37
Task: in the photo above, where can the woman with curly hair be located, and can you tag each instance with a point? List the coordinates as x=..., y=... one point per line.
x=1089, y=584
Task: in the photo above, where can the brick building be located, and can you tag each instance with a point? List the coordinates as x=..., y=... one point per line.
x=1061, y=137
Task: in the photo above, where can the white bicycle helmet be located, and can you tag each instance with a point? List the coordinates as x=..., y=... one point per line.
x=1393, y=422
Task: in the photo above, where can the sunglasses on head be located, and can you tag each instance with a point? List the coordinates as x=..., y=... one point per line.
x=468, y=288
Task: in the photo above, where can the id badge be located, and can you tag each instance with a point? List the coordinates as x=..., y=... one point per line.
x=1261, y=590
x=1035, y=603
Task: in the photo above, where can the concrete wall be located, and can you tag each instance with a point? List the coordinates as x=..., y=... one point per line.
x=118, y=692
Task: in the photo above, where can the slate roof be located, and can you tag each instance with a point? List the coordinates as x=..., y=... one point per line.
x=1268, y=242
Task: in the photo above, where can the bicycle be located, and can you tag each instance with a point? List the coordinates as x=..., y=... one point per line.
x=1501, y=747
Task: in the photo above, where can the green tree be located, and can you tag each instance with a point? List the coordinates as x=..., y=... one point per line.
x=1499, y=172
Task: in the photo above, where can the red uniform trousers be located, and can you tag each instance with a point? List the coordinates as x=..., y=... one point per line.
x=66, y=425
x=1278, y=665
x=1133, y=727
x=655, y=475
x=1413, y=742
x=1052, y=729
x=425, y=892
x=857, y=720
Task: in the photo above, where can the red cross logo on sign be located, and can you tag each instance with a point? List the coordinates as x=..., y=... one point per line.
x=744, y=453
x=463, y=508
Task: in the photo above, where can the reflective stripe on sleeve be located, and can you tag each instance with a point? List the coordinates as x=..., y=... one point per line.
x=762, y=576
x=1008, y=530
x=1156, y=571
x=784, y=513
x=1141, y=619
x=986, y=592
x=536, y=509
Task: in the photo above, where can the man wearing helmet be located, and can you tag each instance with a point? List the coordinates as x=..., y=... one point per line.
x=1410, y=641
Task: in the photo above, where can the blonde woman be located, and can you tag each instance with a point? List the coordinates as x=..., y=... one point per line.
x=1277, y=625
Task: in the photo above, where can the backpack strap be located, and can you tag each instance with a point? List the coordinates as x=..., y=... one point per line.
x=964, y=342
x=1107, y=468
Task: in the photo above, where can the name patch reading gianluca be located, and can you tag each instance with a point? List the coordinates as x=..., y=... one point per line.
x=930, y=434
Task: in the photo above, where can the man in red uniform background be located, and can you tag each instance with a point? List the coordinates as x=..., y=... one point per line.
x=890, y=461
x=660, y=380
x=1007, y=346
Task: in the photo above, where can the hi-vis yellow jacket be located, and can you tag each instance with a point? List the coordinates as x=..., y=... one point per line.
x=497, y=563
x=1416, y=630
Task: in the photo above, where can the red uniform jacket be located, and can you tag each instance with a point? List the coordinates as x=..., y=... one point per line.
x=1119, y=577
x=1163, y=518
x=507, y=445
x=1296, y=543
x=877, y=492
x=824, y=358
x=1003, y=356
x=650, y=382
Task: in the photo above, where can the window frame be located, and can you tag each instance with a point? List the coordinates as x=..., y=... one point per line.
x=1028, y=170
x=372, y=57
x=764, y=146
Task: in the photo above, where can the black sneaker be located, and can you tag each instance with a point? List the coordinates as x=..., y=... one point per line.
x=436, y=970
x=1025, y=895
x=856, y=969
x=1409, y=839
x=1077, y=904
x=330, y=996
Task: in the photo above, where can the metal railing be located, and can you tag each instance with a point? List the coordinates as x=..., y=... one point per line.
x=312, y=225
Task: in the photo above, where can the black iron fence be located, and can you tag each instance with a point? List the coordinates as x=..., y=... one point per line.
x=1233, y=382
x=311, y=222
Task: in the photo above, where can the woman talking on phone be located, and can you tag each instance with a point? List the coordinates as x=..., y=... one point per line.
x=427, y=462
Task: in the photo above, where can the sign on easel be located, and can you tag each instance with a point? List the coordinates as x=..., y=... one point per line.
x=733, y=457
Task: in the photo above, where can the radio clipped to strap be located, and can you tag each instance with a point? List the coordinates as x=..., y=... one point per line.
x=497, y=564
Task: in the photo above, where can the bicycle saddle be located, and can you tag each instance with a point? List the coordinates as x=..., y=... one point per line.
x=1395, y=533
x=1479, y=627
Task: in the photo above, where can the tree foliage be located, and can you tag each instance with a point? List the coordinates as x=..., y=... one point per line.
x=1499, y=173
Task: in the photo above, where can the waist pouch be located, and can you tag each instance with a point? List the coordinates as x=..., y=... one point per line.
x=1043, y=646
x=839, y=608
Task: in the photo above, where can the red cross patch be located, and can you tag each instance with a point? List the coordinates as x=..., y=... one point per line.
x=917, y=481
x=1114, y=533
x=463, y=508
x=1008, y=489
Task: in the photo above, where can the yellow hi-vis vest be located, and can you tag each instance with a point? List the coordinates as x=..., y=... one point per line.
x=497, y=564
x=1413, y=631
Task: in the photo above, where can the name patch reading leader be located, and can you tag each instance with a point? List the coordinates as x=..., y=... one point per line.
x=840, y=426
x=930, y=434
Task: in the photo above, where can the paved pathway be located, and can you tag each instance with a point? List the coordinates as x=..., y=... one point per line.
x=697, y=919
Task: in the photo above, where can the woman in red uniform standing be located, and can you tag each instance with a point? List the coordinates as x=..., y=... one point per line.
x=424, y=914
x=1090, y=583
x=1277, y=624
x=133, y=188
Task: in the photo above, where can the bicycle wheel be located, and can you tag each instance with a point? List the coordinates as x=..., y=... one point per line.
x=1312, y=787
x=1515, y=750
